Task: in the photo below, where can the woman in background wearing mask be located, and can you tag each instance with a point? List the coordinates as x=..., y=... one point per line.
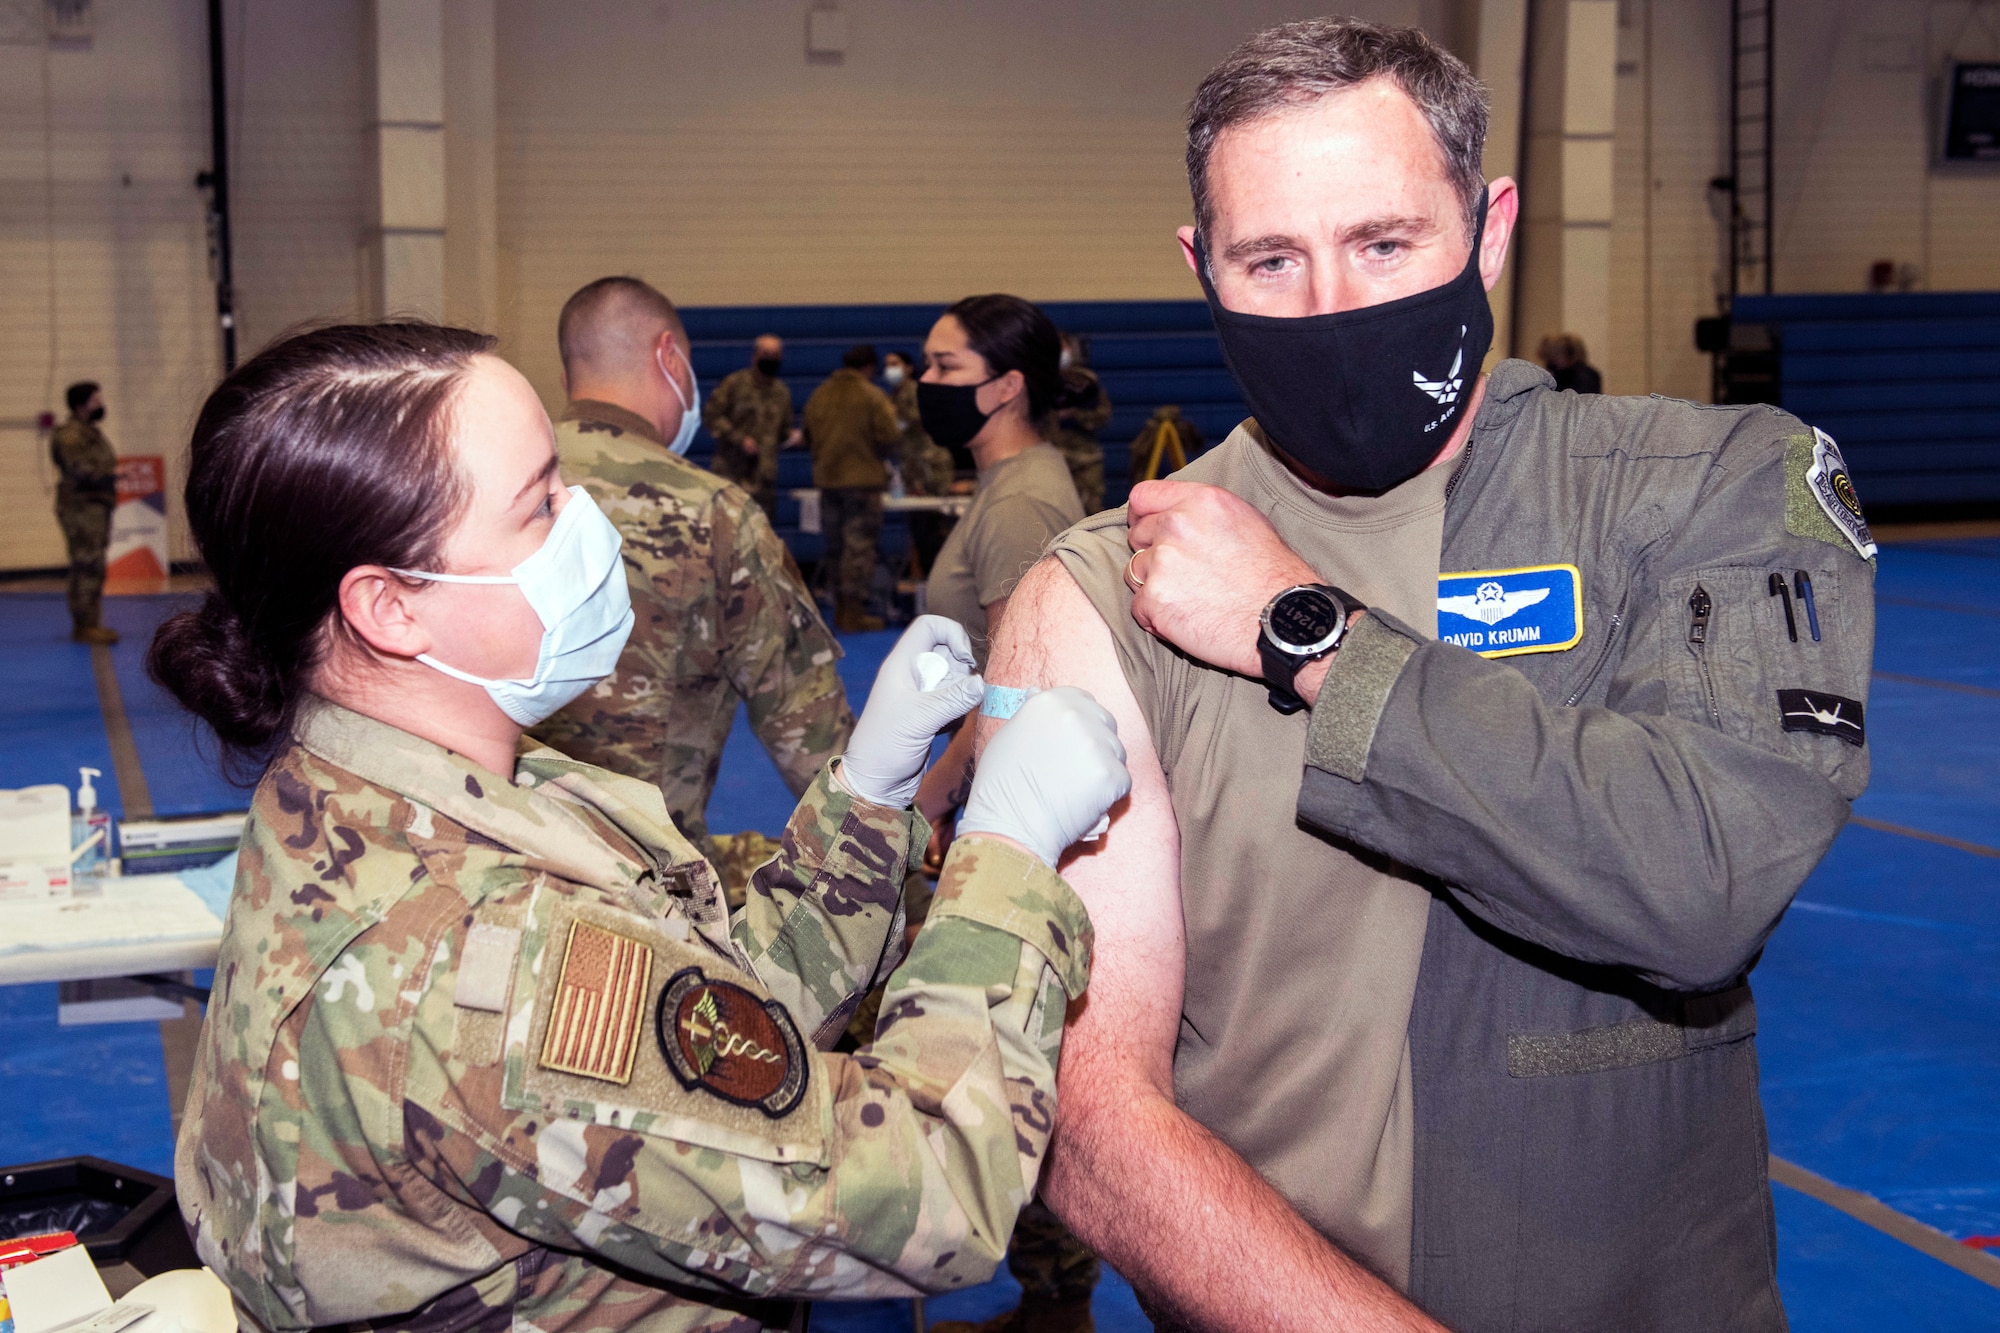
x=993, y=375
x=484, y=1041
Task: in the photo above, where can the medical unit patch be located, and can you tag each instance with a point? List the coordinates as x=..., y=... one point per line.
x=600, y=1004
x=722, y=1039
x=1502, y=612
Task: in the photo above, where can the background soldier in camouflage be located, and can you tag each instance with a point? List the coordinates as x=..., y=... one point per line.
x=927, y=466
x=1082, y=411
x=851, y=428
x=85, y=497
x=750, y=417
x=722, y=613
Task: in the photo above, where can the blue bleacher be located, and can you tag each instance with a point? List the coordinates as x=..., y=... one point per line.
x=1908, y=383
x=1146, y=352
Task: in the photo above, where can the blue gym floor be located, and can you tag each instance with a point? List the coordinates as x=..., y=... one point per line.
x=1879, y=996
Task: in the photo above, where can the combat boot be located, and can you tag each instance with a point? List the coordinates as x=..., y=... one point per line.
x=851, y=617
x=94, y=634
x=1036, y=1314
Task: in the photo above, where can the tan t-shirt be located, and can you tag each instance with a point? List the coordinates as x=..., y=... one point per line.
x=1019, y=506
x=1302, y=951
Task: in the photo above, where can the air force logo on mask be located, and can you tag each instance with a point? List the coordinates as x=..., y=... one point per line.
x=1502, y=612
x=1444, y=391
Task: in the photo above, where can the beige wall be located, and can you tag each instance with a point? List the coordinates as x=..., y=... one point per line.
x=1031, y=145
x=1856, y=180
x=103, y=273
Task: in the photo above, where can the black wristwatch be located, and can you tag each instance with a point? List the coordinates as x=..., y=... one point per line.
x=1300, y=625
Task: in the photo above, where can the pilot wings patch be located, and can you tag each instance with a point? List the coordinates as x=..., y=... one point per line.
x=1491, y=603
x=1502, y=612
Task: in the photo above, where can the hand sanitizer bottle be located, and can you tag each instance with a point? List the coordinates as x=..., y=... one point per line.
x=89, y=837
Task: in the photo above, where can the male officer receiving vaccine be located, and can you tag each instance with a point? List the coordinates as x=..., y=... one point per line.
x=1480, y=734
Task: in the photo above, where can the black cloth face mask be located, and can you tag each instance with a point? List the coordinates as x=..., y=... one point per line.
x=950, y=415
x=97, y=414
x=1363, y=399
x=769, y=366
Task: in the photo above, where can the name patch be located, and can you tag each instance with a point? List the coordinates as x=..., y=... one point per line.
x=1503, y=612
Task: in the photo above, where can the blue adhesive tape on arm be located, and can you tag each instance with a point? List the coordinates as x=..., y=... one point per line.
x=1003, y=701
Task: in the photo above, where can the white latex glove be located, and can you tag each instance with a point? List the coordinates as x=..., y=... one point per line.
x=1049, y=775
x=891, y=745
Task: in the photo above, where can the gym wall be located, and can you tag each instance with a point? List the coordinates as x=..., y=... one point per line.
x=1026, y=145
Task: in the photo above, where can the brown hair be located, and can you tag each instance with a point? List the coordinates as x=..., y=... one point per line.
x=1295, y=64
x=327, y=450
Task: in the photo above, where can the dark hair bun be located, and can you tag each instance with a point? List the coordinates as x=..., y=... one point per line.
x=205, y=659
x=326, y=451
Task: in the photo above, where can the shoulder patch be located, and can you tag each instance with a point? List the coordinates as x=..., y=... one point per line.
x=1505, y=612
x=1823, y=714
x=719, y=1038
x=600, y=999
x=1820, y=501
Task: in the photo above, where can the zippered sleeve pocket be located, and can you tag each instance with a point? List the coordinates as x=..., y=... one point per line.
x=1731, y=661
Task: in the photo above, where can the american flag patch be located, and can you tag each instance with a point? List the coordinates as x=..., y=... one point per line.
x=600, y=997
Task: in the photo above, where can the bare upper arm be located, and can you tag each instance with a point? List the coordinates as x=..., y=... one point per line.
x=1130, y=878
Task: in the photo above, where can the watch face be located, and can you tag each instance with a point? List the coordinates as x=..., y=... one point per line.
x=1302, y=619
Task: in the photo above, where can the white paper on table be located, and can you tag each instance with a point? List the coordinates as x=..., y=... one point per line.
x=55, y=1290
x=141, y=909
x=34, y=841
x=34, y=823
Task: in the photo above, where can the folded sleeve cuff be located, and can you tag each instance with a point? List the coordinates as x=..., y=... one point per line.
x=996, y=884
x=1355, y=692
x=834, y=802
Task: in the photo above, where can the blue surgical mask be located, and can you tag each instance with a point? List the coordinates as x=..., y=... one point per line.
x=576, y=584
x=690, y=411
x=892, y=376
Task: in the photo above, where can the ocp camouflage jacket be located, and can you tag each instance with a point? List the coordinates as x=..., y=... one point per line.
x=484, y=1055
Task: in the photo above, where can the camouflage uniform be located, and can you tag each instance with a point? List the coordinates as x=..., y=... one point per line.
x=85, y=498
x=722, y=614
x=1081, y=412
x=486, y=1054
x=752, y=406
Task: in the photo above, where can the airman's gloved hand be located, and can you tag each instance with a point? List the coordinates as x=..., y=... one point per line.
x=1049, y=775
x=891, y=744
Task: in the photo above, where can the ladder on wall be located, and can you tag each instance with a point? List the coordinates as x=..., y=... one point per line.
x=1751, y=67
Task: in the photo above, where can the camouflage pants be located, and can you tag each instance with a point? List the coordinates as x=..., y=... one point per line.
x=87, y=530
x=1047, y=1261
x=756, y=473
x=1085, y=457
x=851, y=520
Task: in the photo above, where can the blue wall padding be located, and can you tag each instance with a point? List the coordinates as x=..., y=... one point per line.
x=1908, y=383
